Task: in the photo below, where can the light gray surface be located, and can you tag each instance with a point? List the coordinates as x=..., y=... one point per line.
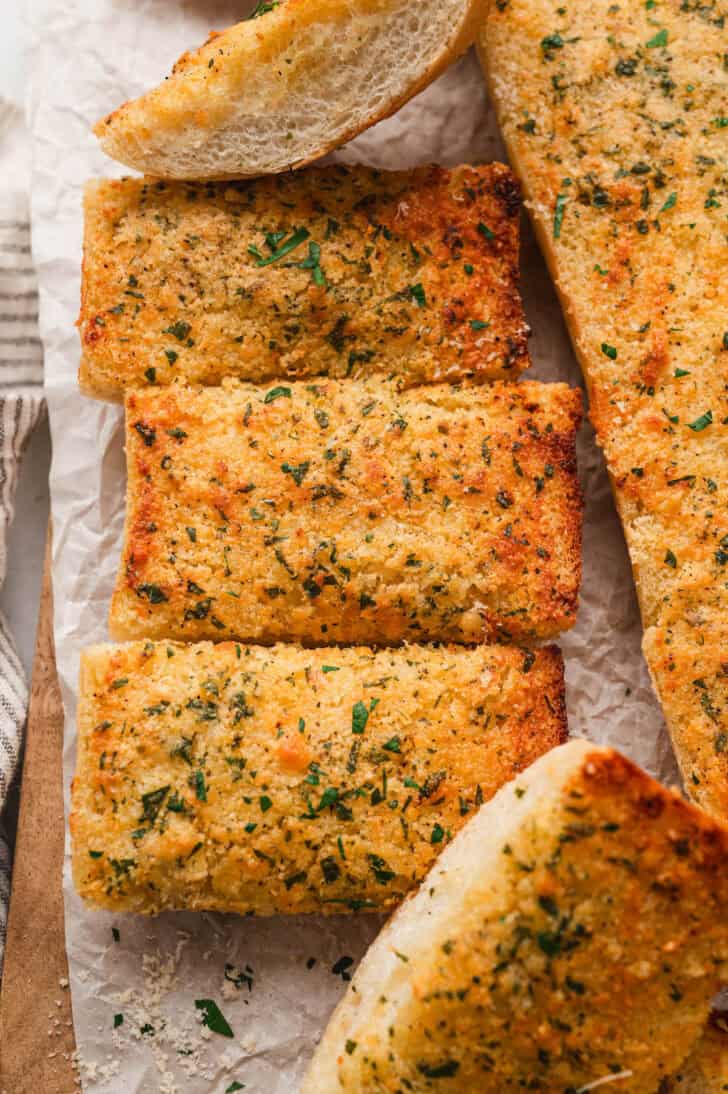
x=12, y=67
x=20, y=597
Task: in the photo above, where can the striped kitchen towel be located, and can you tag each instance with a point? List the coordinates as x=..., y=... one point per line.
x=21, y=406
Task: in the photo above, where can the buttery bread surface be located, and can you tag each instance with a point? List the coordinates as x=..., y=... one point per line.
x=616, y=122
x=336, y=271
x=264, y=781
x=573, y=932
x=347, y=511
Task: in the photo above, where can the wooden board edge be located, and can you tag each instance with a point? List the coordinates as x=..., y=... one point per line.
x=36, y=1022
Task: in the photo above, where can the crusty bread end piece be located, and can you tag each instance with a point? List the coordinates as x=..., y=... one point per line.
x=574, y=931
x=280, y=90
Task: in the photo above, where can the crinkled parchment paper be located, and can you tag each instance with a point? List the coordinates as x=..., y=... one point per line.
x=88, y=56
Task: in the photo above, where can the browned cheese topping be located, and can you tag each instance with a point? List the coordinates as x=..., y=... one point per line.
x=585, y=947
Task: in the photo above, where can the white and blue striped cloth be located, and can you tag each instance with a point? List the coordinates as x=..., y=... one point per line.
x=21, y=406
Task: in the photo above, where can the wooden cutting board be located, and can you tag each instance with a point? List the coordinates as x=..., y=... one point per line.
x=36, y=1029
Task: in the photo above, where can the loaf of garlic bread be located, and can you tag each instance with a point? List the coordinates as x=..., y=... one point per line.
x=290, y=82
x=616, y=121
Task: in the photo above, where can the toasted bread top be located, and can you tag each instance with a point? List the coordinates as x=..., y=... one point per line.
x=338, y=271
x=348, y=511
x=268, y=781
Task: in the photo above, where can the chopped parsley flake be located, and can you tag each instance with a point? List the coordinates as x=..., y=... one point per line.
x=277, y=393
x=446, y=1070
x=261, y=8
x=417, y=293
x=359, y=717
x=559, y=211
x=213, y=1018
x=659, y=40
x=298, y=472
x=279, y=246
x=200, y=787
x=702, y=422
x=341, y=968
x=178, y=330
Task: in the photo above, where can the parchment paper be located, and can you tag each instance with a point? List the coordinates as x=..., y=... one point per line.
x=88, y=56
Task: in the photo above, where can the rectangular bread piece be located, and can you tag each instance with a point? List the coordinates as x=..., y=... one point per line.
x=570, y=937
x=337, y=271
x=348, y=511
x=615, y=121
x=273, y=780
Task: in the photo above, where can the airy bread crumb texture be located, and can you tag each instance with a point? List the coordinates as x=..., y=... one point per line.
x=266, y=781
x=616, y=121
x=575, y=931
x=282, y=89
x=338, y=271
x=349, y=511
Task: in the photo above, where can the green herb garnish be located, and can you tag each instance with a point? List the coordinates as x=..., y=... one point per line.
x=279, y=246
x=213, y=1017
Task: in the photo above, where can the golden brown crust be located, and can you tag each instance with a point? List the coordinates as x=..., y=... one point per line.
x=588, y=947
x=277, y=780
x=412, y=274
x=349, y=512
x=630, y=216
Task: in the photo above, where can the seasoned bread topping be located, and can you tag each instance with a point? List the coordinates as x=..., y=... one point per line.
x=334, y=271
x=570, y=937
x=349, y=511
x=263, y=781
